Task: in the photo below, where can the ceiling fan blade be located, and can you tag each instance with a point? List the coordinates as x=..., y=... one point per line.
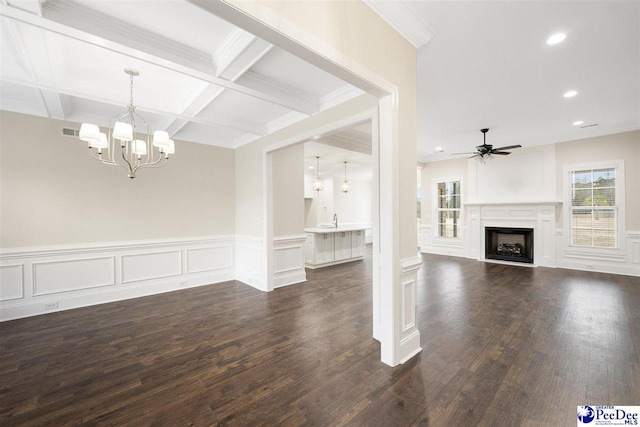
x=500, y=153
x=476, y=155
x=508, y=147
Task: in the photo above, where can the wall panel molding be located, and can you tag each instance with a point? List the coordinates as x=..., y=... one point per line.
x=45, y=279
x=288, y=260
x=11, y=282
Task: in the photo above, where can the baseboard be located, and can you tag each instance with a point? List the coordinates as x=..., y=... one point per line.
x=63, y=302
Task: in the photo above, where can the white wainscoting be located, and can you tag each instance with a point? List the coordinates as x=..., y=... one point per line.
x=442, y=245
x=624, y=260
x=249, y=262
x=288, y=260
x=38, y=280
x=409, y=334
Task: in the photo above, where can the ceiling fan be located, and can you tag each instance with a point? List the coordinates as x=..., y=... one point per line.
x=487, y=149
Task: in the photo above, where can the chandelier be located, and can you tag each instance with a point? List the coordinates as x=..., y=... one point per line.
x=346, y=187
x=129, y=143
x=318, y=185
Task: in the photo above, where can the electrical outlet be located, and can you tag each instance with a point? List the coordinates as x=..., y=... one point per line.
x=183, y=284
x=51, y=305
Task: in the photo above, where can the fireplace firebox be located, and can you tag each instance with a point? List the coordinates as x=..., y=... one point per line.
x=509, y=244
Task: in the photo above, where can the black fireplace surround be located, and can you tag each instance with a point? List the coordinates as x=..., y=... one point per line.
x=509, y=244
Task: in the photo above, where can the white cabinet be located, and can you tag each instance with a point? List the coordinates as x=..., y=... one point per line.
x=357, y=243
x=342, y=245
x=321, y=249
x=334, y=246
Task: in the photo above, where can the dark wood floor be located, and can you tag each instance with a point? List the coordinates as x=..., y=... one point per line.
x=503, y=346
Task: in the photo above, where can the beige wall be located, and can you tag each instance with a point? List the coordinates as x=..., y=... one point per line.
x=53, y=193
x=288, y=191
x=624, y=146
x=365, y=40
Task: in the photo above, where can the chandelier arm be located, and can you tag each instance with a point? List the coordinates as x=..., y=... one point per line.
x=130, y=169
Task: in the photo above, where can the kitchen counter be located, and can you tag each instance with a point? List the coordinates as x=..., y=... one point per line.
x=327, y=246
x=333, y=229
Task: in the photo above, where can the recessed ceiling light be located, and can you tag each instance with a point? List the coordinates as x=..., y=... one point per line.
x=311, y=167
x=556, y=38
x=439, y=149
x=578, y=122
x=570, y=94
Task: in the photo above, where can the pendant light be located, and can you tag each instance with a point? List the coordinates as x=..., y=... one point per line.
x=318, y=185
x=345, y=184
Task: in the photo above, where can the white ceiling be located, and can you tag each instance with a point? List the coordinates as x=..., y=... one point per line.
x=352, y=145
x=486, y=64
x=201, y=79
x=480, y=64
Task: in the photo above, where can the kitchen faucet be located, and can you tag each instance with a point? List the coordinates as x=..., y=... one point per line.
x=335, y=219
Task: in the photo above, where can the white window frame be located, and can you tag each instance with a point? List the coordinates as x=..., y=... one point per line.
x=567, y=170
x=434, y=222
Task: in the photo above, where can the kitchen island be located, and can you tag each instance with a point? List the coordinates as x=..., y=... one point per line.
x=327, y=246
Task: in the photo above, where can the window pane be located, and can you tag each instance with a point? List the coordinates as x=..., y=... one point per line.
x=456, y=202
x=604, y=178
x=604, y=197
x=581, y=218
x=442, y=188
x=580, y=237
x=604, y=238
x=456, y=187
x=604, y=219
x=582, y=197
x=582, y=179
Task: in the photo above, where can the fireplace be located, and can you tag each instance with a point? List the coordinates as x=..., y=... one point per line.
x=509, y=244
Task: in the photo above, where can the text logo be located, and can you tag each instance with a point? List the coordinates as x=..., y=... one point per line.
x=593, y=415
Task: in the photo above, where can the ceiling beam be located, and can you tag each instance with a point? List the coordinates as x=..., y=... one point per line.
x=239, y=52
x=32, y=49
x=221, y=120
x=80, y=23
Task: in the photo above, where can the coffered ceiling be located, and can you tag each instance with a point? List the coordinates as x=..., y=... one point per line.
x=201, y=78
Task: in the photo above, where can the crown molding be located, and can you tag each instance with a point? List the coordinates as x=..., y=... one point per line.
x=284, y=121
x=344, y=94
x=233, y=46
x=307, y=103
x=403, y=18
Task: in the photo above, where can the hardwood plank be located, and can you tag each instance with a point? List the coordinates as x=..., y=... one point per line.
x=502, y=346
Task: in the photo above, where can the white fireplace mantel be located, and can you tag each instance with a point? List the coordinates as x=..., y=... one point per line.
x=539, y=216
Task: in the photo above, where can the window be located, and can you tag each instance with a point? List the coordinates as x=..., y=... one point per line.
x=594, y=211
x=448, y=208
